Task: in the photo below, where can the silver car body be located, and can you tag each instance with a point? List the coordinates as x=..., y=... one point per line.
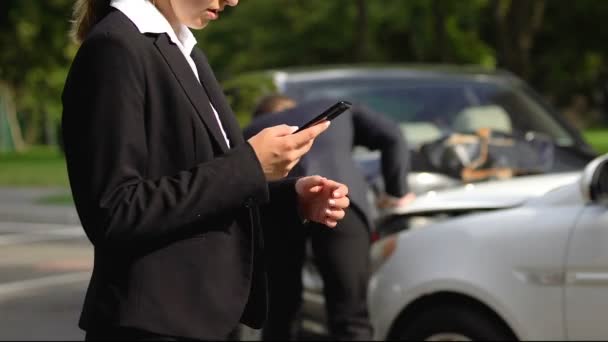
x=540, y=263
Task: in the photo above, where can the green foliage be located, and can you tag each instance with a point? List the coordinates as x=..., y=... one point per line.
x=598, y=139
x=430, y=31
x=38, y=166
x=36, y=63
x=570, y=54
x=60, y=199
x=259, y=35
x=245, y=91
x=567, y=55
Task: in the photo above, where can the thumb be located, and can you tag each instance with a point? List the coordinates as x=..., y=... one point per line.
x=317, y=183
x=309, y=184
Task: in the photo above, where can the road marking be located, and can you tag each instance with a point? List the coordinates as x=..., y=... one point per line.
x=65, y=265
x=8, y=290
x=21, y=239
x=20, y=232
x=25, y=227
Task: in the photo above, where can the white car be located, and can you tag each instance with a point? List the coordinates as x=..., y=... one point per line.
x=525, y=258
x=519, y=259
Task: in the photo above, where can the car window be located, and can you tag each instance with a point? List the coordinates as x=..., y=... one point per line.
x=427, y=109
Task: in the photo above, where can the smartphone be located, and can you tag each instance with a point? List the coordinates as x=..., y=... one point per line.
x=329, y=114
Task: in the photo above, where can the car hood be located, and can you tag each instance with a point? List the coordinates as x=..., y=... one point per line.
x=487, y=195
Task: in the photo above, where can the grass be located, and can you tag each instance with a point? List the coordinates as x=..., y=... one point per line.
x=61, y=199
x=597, y=138
x=38, y=166
x=45, y=166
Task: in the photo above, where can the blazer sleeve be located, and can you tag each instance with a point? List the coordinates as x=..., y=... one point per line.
x=377, y=132
x=105, y=141
x=282, y=211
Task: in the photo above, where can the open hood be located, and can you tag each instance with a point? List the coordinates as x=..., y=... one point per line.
x=487, y=195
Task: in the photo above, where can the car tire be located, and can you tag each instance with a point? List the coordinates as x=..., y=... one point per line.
x=454, y=324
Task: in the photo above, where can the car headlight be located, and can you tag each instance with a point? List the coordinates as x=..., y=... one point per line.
x=382, y=250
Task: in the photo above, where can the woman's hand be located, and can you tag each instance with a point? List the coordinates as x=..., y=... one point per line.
x=278, y=150
x=322, y=200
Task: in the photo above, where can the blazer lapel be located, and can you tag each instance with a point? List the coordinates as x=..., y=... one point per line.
x=198, y=97
x=216, y=94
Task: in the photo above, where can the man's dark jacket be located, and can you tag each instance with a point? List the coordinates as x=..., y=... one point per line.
x=331, y=154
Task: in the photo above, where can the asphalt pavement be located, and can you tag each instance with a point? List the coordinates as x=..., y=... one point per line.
x=22, y=205
x=45, y=265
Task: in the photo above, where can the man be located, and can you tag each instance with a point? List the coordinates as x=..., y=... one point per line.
x=341, y=255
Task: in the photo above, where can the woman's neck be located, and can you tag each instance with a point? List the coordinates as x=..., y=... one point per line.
x=165, y=8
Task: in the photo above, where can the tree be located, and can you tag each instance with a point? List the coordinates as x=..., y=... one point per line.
x=517, y=23
x=361, y=31
x=10, y=132
x=36, y=64
x=535, y=39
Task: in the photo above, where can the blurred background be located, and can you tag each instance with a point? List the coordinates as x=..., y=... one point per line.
x=556, y=46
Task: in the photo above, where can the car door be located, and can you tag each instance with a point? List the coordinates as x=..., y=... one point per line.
x=586, y=290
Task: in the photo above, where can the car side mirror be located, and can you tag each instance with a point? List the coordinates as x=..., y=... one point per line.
x=594, y=180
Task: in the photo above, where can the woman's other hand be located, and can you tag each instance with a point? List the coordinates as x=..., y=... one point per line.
x=322, y=200
x=278, y=150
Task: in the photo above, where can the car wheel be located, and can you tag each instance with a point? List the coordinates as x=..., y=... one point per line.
x=453, y=324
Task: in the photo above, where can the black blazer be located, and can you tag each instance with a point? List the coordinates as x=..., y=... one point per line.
x=172, y=212
x=331, y=154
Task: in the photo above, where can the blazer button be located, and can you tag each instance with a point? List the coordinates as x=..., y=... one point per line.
x=249, y=202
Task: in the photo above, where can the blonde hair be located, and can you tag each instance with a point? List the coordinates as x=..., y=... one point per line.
x=86, y=14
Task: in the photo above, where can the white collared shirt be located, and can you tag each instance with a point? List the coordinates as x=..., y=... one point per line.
x=148, y=19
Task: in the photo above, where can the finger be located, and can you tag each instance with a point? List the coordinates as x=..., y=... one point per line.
x=314, y=184
x=305, y=136
x=303, y=149
x=281, y=130
x=312, y=181
x=339, y=203
x=341, y=191
x=295, y=152
x=309, y=184
x=338, y=189
x=334, y=215
x=315, y=189
x=331, y=224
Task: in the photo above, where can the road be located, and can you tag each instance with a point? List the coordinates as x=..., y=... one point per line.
x=44, y=271
x=45, y=266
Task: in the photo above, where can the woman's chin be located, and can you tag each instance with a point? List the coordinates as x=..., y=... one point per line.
x=198, y=24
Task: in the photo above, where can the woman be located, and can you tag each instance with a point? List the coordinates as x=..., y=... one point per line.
x=167, y=189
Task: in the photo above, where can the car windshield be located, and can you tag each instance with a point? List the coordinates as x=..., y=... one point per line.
x=429, y=108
